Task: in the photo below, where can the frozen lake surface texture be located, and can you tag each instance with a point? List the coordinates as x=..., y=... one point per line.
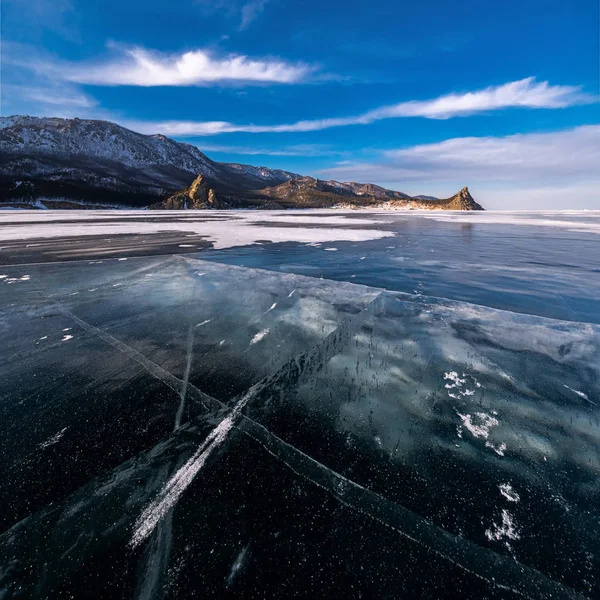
x=308, y=404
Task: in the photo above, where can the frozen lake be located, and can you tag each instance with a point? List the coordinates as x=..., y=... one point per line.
x=299, y=404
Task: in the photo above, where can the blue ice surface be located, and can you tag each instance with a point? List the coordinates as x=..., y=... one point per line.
x=546, y=271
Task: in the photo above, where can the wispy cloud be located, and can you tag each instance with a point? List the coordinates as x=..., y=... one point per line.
x=250, y=11
x=524, y=93
x=50, y=94
x=146, y=68
x=527, y=158
x=294, y=150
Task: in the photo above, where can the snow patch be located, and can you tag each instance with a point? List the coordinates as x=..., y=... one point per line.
x=479, y=424
x=499, y=450
x=9, y=280
x=506, y=530
x=54, y=439
x=507, y=491
x=580, y=394
x=259, y=336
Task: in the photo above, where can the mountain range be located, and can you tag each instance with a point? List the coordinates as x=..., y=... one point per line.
x=74, y=163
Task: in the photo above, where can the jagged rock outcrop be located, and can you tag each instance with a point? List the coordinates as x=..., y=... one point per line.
x=461, y=201
x=198, y=196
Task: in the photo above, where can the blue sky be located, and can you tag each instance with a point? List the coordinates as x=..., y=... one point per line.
x=424, y=97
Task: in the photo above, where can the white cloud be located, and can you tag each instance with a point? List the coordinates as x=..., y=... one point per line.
x=527, y=93
x=250, y=11
x=141, y=67
x=572, y=153
x=557, y=169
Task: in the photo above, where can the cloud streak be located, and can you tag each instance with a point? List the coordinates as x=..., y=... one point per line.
x=294, y=150
x=567, y=155
x=50, y=95
x=524, y=93
x=146, y=68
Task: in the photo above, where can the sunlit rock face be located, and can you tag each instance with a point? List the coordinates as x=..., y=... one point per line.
x=198, y=196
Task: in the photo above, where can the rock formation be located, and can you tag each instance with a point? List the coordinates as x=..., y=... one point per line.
x=197, y=196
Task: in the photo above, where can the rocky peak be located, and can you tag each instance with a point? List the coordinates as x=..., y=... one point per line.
x=463, y=201
x=197, y=196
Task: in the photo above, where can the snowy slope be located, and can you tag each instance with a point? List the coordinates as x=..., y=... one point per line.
x=96, y=152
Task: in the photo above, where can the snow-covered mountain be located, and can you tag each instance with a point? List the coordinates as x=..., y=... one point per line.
x=87, y=157
x=66, y=162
